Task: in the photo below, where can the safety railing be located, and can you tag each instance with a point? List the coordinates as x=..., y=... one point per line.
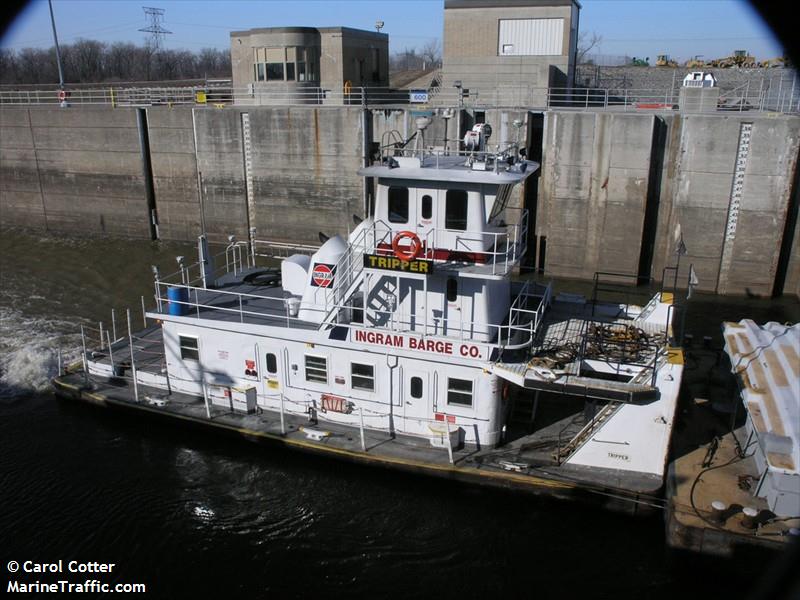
x=783, y=97
x=494, y=251
x=516, y=332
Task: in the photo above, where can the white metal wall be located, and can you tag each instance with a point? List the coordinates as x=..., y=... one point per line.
x=531, y=37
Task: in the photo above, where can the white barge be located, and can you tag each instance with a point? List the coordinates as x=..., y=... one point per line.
x=409, y=343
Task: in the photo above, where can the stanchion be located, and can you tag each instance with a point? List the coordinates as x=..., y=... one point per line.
x=85, y=364
x=283, y=423
x=133, y=362
x=363, y=441
x=449, y=445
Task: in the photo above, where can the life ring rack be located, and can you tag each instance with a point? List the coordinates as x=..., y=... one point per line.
x=412, y=251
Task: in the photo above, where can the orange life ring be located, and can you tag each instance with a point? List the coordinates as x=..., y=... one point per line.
x=62, y=95
x=410, y=253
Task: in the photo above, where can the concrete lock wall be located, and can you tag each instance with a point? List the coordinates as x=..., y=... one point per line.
x=174, y=164
x=74, y=171
x=593, y=191
x=612, y=190
x=603, y=174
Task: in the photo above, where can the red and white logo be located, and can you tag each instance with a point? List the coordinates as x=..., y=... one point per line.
x=322, y=275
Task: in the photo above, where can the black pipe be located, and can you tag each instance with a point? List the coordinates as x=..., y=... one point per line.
x=147, y=172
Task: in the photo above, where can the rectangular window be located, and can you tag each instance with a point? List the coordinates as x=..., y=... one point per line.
x=459, y=391
x=398, y=204
x=362, y=377
x=455, y=216
x=376, y=65
x=317, y=369
x=260, y=72
x=301, y=71
x=289, y=71
x=275, y=71
x=530, y=37
x=189, y=347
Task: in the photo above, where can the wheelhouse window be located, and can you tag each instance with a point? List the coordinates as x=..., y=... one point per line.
x=455, y=216
x=189, y=347
x=317, y=369
x=398, y=204
x=459, y=392
x=427, y=207
x=362, y=377
x=272, y=364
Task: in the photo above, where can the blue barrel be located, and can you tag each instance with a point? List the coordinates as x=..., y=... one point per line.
x=176, y=295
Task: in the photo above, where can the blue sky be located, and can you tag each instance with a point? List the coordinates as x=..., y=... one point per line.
x=682, y=29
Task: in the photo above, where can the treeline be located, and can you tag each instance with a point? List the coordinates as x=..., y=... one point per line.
x=90, y=61
x=429, y=56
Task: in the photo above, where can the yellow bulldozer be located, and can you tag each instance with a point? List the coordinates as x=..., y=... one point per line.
x=739, y=58
x=663, y=60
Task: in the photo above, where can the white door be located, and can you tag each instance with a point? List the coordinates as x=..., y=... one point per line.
x=270, y=368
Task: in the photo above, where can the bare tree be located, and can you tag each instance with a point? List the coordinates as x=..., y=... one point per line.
x=87, y=60
x=431, y=52
x=90, y=61
x=586, y=43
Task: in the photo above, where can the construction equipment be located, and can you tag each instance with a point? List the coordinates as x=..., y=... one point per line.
x=778, y=61
x=663, y=60
x=695, y=63
x=640, y=62
x=739, y=58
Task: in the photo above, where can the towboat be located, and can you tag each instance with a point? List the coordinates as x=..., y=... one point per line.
x=411, y=343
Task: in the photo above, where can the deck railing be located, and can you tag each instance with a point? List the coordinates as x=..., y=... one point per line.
x=496, y=250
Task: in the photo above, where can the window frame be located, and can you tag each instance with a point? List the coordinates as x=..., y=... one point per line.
x=460, y=392
x=450, y=222
x=370, y=377
x=411, y=387
x=389, y=200
x=306, y=368
x=274, y=65
x=183, y=347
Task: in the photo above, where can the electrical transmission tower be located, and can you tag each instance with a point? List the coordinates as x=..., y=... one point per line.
x=154, y=18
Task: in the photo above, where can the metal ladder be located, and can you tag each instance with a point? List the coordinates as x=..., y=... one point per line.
x=350, y=270
x=563, y=454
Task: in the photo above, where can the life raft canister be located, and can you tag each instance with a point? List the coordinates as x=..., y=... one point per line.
x=410, y=253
